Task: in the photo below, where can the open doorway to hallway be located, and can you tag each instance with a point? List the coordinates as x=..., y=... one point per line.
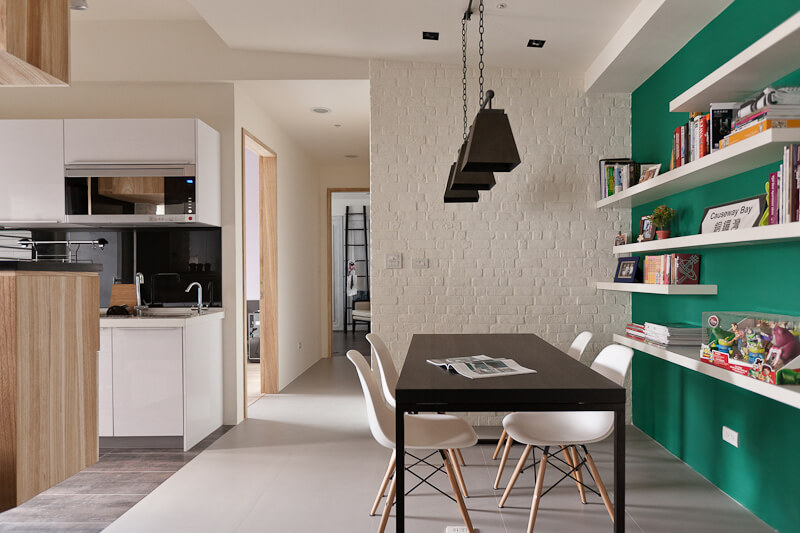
x=260, y=250
x=349, y=269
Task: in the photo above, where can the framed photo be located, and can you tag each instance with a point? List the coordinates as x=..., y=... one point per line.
x=649, y=171
x=621, y=239
x=646, y=230
x=627, y=270
x=740, y=214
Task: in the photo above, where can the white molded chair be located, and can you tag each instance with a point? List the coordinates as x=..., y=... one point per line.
x=568, y=430
x=575, y=351
x=422, y=432
x=387, y=376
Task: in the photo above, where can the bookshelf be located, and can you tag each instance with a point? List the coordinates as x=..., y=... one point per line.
x=757, y=151
x=766, y=60
x=689, y=357
x=758, y=235
x=650, y=288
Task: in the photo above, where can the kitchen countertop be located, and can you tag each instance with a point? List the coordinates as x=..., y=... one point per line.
x=47, y=266
x=162, y=318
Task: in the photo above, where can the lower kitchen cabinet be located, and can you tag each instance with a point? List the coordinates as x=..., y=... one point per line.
x=160, y=381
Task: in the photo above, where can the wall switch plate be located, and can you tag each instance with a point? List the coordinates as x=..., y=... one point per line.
x=299, y=345
x=730, y=436
x=419, y=262
x=394, y=260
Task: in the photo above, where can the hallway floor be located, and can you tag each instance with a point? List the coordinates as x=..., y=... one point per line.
x=305, y=461
x=341, y=341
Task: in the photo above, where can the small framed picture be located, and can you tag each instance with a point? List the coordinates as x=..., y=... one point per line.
x=621, y=239
x=649, y=171
x=646, y=230
x=627, y=270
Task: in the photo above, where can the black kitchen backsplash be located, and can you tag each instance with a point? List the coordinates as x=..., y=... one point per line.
x=169, y=258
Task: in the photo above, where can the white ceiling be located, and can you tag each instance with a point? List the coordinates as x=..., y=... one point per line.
x=289, y=103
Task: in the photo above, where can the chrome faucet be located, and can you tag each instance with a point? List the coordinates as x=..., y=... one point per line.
x=199, y=295
x=138, y=279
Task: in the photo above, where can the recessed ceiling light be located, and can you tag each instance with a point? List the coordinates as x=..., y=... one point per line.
x=337, y=125
x=535, y=43
x=502, y=6
x=351, y=156
x=320, y=110
x=78, y=5
x=430, y=35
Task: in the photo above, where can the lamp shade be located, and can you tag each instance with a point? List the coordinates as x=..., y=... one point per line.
x=470, y=181
x=490, y=145
x=452, y=197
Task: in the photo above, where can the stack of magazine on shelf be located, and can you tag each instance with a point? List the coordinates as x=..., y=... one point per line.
x=635, y=331
x=482, y=366
x=673, y=334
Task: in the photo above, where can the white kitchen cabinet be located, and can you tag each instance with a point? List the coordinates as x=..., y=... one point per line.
x=31, y=172
x=148, y=382
x=105, y=380
x=138, y=140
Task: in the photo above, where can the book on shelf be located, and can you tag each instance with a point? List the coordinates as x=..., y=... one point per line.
x=674, y=334
x=721, y=122
x=783, y=96
x=783, y=189
x=635, y=331
x=672, y=269
x=617, y=175
x=758, y=127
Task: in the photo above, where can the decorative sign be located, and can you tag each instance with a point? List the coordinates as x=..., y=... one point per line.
x=734, y=215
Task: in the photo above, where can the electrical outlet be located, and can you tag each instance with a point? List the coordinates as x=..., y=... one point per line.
x=394, y=260
x=730, y=436
x=419, y=262
x=299, y=345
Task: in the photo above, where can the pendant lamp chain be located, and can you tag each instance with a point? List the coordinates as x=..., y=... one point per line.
x=464, y=70
x=480, y=51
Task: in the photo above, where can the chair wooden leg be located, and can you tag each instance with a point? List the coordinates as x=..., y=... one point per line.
x=387, y=509
x=509, y=442
x=576, y=461
x=500, y=442
x=515, y=475
x=461, y=457
x=454, y=484
x=382, y=490
x=571, y=461
x=537, y=492
x=603, y=493
x=459, y=475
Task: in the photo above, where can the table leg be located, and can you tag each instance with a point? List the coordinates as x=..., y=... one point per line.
x=619, y=470
x=400, y=470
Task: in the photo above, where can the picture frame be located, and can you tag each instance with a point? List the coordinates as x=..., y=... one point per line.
x=647, y=232
x=621, y=239
x=722, y=217
x=628, y=270
x=649, y=171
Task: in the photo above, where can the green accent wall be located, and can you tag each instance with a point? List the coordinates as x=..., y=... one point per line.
x=684, y=410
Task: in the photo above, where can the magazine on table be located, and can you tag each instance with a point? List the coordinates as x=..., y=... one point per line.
x=482, y=366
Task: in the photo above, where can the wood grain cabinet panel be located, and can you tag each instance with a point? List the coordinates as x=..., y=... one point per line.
x=49, y=338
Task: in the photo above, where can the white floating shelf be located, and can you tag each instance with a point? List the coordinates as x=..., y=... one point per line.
x=760, y=64
x=689, y=357
x=759, y=235
x=757, y=151
x=651, y=288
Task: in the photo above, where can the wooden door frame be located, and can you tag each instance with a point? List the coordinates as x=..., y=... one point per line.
x=268, y=278
x=329, y=323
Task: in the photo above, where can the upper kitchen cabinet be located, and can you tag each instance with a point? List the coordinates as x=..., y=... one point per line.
x=31, y=172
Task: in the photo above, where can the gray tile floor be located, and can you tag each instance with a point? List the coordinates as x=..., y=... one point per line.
x=93, y=498
x=306, y=462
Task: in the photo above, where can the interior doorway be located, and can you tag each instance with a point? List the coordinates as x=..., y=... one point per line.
x=260, y=251
x=349, y=305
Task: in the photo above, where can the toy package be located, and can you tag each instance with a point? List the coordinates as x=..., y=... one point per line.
x=755, y=345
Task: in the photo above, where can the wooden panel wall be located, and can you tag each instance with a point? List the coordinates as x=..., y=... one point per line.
x=268, y=190
x=56, y=341
x=8, y=392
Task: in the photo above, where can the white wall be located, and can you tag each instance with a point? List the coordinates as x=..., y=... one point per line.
x=252, y=233
x=354, y=200
x=526, y=257
x=298, y=237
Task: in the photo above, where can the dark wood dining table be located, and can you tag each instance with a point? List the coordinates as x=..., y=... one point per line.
x=560, y=384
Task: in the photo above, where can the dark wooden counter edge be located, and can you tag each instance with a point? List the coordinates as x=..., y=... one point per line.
x=42, y=266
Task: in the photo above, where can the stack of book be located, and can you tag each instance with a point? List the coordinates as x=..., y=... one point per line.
x=783, y=190
x=635, y=331
x=672, y=269
x=773, y=108
x=616, y=175
x=673, y=334
x=690, y=142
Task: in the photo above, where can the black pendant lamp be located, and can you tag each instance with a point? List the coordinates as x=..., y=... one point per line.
x=470, y=180
x=490, y=146
x=452, y=196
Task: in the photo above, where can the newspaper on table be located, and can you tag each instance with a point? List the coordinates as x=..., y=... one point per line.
x=482, y=366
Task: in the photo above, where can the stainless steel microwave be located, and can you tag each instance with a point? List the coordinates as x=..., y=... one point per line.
x=130, y=194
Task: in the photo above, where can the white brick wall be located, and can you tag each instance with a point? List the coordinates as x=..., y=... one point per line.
x=526, y=257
